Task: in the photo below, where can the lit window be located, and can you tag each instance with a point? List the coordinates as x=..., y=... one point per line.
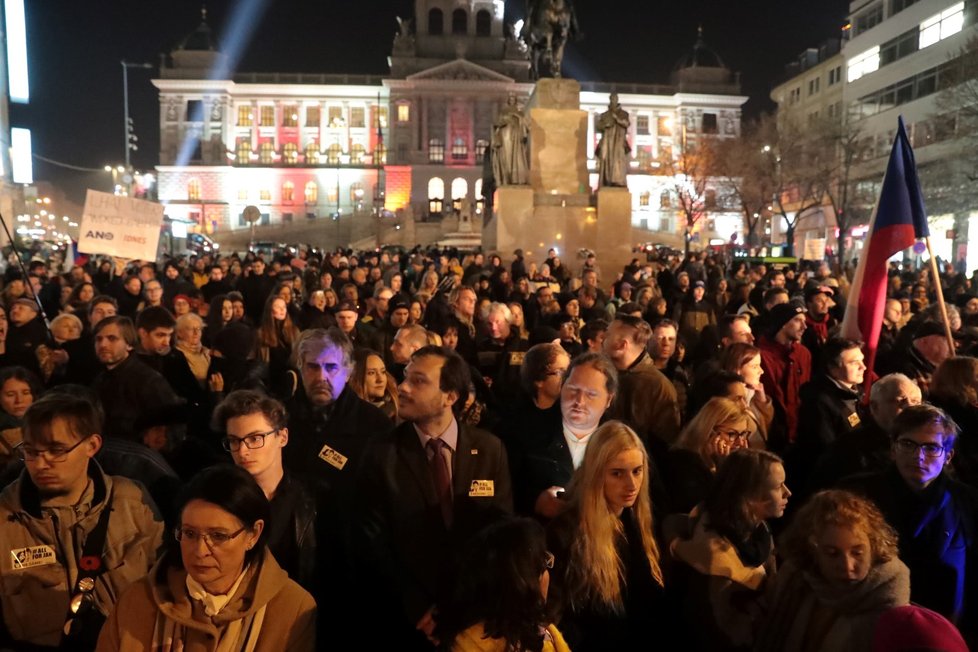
x=290, y=153
x=266, y=152
x=665, y=199
x=382, y=117
x=643, y=199
x=242, y=153
x=357, y=153
x=264, y=195
x=664, y=125
x=267, y=116
x=290, y=116
x=436, y=195
x=940, y=26
x=288, y=192
x=356, y=192
x=460, y=188
x=242, y=194
x=436, y=151
x=245, y=116
x=863, y=64
x=312, y=116
x=312, y=153
x=380, y=154
x=460, y=151
x=336, y=119
x=403, y=112
x=357, y=117
x=333, y=154
x=480, y=150
x=193, y=190
x=478, y=189
x=312, y=192
x=642, y=124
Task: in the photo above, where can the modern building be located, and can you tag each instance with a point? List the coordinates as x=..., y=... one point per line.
x=360, y=152
x=905, y=58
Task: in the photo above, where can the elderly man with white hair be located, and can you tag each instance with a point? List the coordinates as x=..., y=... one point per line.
x=500, y=353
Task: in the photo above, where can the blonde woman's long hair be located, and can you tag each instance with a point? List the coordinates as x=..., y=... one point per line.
x=595, y=570
x=698, y=433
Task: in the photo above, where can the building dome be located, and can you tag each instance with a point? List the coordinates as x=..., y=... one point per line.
x=701, y=56
x=202, y=38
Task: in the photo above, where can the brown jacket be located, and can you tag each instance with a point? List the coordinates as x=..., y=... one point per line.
x=288, y=622
x=647, y=402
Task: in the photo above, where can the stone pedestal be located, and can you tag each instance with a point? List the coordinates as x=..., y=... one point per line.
x=613, y=227
x=558, y=138
x=513, y=217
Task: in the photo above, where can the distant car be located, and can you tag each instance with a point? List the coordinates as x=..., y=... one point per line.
x=269, y=250
x=200, y=244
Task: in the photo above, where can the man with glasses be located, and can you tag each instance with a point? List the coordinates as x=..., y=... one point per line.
x=56, y=584
x=255, y=436
x=935, y=516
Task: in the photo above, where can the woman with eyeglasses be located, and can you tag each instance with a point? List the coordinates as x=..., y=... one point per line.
x=217, y=587
x=606, y=584
x=188, y=334
x=841, y=573
x=499, y=601
x=719, y=428
x=725, y=552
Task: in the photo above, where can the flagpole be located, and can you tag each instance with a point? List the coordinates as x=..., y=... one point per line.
x=940, y=296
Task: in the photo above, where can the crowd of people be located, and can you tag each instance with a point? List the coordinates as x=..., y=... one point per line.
x=421, y=450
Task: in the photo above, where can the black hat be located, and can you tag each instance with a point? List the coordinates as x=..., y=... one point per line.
x=346, y=305
x=812, y=290
x=782, y=313
x=929, y=328
x=236, y=341
x=397, y=303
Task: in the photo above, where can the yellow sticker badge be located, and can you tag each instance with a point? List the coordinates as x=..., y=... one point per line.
x=32, y=556
x=482, y=489
x=332, y=457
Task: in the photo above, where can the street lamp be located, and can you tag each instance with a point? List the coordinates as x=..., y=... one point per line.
x=127, y=121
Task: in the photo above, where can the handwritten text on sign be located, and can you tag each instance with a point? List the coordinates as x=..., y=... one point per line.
x=120, y=226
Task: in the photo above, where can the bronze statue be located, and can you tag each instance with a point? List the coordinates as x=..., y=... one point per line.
x=549, y=25
x=613, y=150
x=510, y=165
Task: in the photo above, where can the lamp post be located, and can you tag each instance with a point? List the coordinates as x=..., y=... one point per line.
x=127, y=121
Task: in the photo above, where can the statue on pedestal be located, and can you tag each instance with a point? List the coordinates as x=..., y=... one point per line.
x=510, y=132
x=549, y=25
x=612, y=152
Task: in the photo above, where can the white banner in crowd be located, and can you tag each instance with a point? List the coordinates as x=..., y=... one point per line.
x=814, y=249
x=120, y=226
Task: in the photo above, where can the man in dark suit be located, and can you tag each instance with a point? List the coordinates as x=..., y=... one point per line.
x=424, y=490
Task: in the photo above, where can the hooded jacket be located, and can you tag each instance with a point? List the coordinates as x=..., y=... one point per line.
x=282, y=612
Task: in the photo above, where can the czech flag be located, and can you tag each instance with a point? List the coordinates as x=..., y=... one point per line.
x=897, y=223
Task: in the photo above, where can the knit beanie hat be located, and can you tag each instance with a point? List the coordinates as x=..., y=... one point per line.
x=903, y=629
x=782, y=313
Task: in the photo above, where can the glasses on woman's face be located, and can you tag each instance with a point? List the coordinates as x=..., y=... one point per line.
x=256, y=440
x=548, y=561
x=910, y=447
x=732, y=435
x=212, y=539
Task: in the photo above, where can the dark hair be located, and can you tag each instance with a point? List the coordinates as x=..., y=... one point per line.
x=102, y=298
x=536, y=365
x=718, y=383
x=126, y=328
x=591, y=329
x=455, y=375
x=84, y=417
x=641, y=331
x=153, y=317
x=740, y=478
x=773, y=292
x=243, y=402
x=725, y=325
x=500, y=586
x=600, y=362
x=833, y=349
x=916, y=417
x=234, y=490
x=24, y=376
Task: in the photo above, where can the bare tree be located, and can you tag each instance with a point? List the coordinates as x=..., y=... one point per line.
x=742, y=167
x=957, y=118
x=690, y=168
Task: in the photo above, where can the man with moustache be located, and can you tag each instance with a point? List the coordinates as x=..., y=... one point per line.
x=75, y=535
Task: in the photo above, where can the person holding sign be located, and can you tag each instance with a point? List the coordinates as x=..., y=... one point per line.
x=425, y=488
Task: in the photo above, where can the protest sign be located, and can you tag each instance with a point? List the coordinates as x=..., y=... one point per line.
x=120, y=226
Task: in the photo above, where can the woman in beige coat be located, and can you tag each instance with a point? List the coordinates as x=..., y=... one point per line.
x=220, y=590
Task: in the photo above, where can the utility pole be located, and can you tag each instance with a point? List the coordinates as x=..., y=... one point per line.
x=127, y=121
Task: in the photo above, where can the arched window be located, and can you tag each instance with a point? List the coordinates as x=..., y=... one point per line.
x=290, y=153
x=460, y=190
x=460, y=151
x=478, y=189
x=288, y=192
x=436, y=151
x=357, y=153
x=435, y=27
x=480, y=150
x=665, y=199
x=312, y=153
x=483, y=23
x=312, y=192
x=460, y=22
x=266, y=152
x=193, y=190
x=436, y=195
x=643, y=199
x=333, y=154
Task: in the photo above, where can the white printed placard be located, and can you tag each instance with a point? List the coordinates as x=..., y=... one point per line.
x=120, y=226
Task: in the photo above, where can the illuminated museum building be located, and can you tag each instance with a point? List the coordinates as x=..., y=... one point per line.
x=309, y=146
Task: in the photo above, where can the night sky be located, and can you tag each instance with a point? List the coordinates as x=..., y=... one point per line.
x=75, y=49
